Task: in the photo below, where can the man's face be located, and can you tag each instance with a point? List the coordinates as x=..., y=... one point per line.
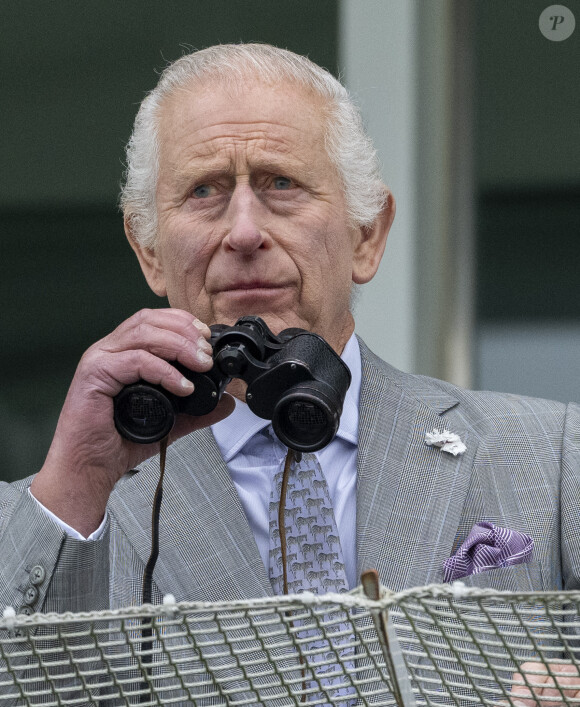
x=252, y=216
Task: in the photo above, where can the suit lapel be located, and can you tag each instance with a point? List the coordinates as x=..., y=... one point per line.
x=409, y=495
x=207, y=549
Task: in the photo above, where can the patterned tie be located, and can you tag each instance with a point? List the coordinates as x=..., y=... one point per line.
x=313, y=563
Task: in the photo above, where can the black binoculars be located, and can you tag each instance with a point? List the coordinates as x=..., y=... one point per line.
x=294, y=379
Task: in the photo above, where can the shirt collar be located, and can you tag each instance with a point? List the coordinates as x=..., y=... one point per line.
x=232, y=433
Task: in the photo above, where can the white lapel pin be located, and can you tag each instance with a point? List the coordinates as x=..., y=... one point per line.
x=446, y=441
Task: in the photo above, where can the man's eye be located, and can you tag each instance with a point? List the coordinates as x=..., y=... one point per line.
x=203, y=191
x=282, y=183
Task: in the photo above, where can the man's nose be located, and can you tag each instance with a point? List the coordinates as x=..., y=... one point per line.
x=244, y=216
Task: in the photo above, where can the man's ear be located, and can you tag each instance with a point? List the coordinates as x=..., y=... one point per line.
x=371, y=243
x=149, y=262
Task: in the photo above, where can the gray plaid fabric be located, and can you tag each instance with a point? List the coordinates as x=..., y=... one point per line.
x=415, y=505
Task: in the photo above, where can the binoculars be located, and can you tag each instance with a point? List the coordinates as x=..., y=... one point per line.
x=295, y=379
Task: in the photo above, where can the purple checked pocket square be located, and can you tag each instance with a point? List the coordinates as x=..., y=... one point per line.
x=488, y=547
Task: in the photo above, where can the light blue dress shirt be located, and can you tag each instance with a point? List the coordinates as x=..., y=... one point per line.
x=252, y=457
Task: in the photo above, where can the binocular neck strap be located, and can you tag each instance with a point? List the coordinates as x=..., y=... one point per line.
x=290, y=458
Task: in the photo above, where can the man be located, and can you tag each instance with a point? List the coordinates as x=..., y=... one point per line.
x=252, y=189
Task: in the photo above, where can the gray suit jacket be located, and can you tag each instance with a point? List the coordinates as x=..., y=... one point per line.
x=415, y=505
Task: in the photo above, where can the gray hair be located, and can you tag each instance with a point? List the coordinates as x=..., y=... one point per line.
x=348, y=146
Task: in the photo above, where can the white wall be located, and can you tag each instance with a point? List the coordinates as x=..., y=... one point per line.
x=408, y=65
x=378, y=58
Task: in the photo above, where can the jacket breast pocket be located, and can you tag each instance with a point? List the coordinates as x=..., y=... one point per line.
x=525, y=577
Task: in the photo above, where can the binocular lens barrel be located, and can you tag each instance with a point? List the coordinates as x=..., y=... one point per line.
x=304, y=420
x=143, y=414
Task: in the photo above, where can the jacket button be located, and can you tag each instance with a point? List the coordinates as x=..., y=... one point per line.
x=31, y=595
x=26, y=610
x=37, y=574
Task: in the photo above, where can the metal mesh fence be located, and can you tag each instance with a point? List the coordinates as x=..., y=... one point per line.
x=437, y=645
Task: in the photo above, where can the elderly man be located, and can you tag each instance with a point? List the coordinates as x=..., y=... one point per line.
x=252, y=189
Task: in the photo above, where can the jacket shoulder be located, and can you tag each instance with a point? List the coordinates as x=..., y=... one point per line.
x=481, y=409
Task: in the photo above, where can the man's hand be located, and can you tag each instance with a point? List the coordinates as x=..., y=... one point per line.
x=543, y=685
x=87, y=455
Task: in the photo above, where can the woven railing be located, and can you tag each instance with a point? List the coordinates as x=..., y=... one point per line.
x=436, y=645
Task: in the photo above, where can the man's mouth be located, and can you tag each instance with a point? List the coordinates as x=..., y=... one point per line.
x=253, y=286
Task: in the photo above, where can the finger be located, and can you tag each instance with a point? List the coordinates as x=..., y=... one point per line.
x=176, y=320
x=566, y=680
x=180, y=315
x=522, y=682
x=522, y=697
x=173, y=319
x=565, y=683
x=182, y=342
x=114, y=371
x=186, y=317
x=160, y=313
x=189, y=348
x=546, y=668
x=532, y=672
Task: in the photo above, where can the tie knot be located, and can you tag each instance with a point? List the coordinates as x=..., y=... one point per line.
x=272, y=435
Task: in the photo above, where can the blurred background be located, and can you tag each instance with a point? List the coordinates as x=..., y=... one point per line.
x=476, y=116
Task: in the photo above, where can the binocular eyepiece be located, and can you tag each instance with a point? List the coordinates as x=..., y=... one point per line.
x=294, y=379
